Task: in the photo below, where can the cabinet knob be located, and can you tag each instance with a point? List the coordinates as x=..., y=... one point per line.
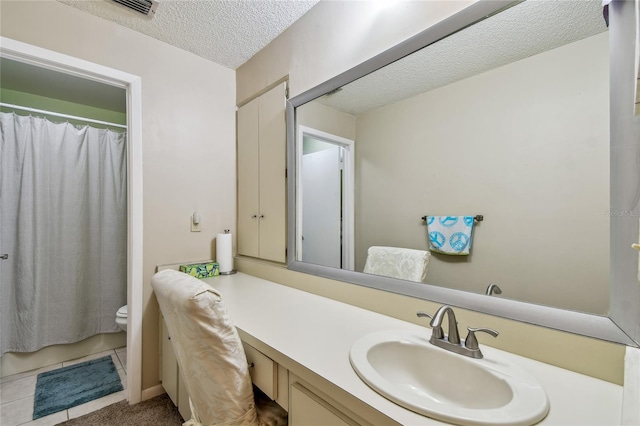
x=255, y=216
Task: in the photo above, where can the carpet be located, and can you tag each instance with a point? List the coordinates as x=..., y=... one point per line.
x=158, y=411
x=76, y=384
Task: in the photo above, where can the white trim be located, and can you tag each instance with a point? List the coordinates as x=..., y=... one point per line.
x=48, y=59
x=348, y=194
x=135, y=246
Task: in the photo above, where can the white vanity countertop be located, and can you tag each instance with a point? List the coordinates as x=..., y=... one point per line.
x=318, y=333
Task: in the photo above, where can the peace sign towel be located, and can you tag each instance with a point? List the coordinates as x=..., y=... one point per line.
x=450, y=234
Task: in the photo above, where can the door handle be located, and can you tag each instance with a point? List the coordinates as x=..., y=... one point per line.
x=4, y=256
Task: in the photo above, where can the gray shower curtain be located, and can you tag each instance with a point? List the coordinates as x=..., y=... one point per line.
x=63, y=225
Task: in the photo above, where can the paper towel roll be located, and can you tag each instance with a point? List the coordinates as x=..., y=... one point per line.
x=224, y=252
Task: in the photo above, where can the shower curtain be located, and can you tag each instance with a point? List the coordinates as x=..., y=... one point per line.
x=63, y=221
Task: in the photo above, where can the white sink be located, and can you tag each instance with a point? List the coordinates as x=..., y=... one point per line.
x=408, y=370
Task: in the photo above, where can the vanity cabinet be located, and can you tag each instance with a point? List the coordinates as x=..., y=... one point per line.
x=308, y=409
x=314, y=402
x=168, y=365
x=266, y=374
x=170, y=375
x=261, y=138
x=184, y=407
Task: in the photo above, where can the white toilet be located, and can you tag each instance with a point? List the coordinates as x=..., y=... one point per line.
x=121, y=318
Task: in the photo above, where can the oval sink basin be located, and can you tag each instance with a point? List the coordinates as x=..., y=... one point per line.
x=408, y=370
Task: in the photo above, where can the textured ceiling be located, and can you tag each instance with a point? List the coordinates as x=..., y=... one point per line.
x=527, y=29
x=227, y=32
x=230, y=32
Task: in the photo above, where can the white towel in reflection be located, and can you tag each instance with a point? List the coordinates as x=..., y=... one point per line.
x=395, y=262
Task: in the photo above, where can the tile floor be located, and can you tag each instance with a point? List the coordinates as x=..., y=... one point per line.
x=17, y=393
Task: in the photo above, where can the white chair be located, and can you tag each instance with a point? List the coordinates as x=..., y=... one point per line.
x=395, y=262
x=209, y=352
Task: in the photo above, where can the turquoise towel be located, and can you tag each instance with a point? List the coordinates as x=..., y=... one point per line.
x=450, y=234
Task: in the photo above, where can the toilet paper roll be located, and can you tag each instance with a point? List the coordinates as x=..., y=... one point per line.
x=224, y=254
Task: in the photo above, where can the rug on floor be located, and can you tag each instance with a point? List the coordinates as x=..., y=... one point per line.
x=76, y=384
x=158, y=411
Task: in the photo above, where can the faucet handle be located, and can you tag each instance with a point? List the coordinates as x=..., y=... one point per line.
x=471, y=342
x=422, y=314
x=437, y=330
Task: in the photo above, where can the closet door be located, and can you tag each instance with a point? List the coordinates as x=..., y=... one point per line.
x=273, y=182
x=248, y=179
x=262, y=155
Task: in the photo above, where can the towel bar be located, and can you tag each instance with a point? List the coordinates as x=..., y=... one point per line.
x=477, y=218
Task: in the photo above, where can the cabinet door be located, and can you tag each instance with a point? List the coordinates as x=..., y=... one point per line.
x=307, y=409
x=264, y=372
x=273, y=182
x=184, y=408
x=169, y=365
x=248, y=180
x=262, y=155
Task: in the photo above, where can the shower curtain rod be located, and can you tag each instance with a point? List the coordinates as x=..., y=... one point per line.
x=56, y=114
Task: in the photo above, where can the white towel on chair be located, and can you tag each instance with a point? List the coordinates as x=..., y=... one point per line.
x=395, y=262
x=208, y=349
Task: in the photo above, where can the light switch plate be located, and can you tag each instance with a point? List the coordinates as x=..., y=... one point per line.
x=195, y=227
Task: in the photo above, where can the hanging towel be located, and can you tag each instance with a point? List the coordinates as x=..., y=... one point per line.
x=450, y=234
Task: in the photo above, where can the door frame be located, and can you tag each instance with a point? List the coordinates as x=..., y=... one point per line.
x=48, y=59
x=348, y=194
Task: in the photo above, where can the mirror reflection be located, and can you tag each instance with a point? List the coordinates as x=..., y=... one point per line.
x=507, y=119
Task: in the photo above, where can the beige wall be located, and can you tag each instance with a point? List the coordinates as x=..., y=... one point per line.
x=309, y=57
x=527, y=146
x=188, y=109
x=49, y=104
x=326, y=119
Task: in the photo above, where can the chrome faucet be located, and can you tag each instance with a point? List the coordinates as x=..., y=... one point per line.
x=493, y=288
x=451, y=341
x=436, y=325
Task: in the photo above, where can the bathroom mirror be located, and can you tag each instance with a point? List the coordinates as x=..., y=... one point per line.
x=505, y=114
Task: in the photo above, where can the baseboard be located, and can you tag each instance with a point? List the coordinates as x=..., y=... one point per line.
x=151, y=392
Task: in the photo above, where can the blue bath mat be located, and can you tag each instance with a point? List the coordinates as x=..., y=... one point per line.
x=76, y=384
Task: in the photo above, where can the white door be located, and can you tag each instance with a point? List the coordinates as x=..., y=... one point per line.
x=321, y=207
